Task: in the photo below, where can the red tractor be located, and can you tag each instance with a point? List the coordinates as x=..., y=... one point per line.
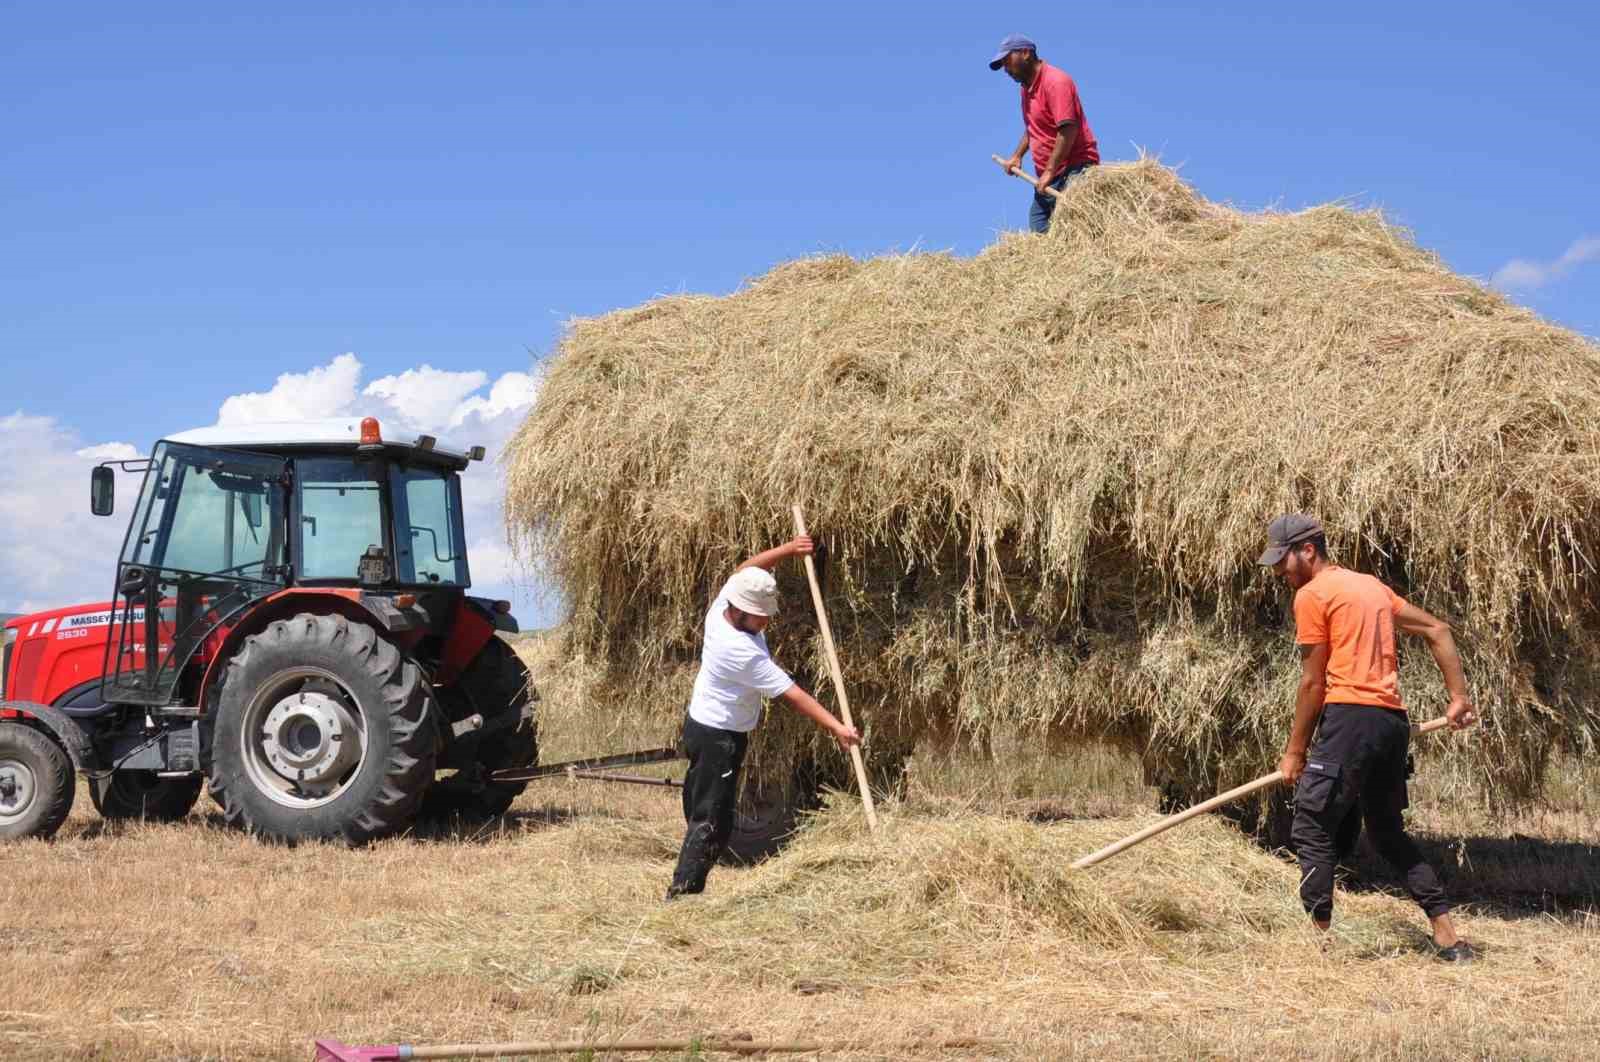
x=291, y=629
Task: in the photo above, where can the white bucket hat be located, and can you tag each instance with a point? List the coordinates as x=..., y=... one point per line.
x=755, y=591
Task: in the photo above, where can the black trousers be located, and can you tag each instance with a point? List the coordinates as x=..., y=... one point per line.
x=1357, y=759
x=709, y=791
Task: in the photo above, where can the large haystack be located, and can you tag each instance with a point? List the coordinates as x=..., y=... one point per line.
x=1042, y=476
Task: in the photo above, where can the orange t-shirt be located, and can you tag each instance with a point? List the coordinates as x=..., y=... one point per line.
x=1354, y=615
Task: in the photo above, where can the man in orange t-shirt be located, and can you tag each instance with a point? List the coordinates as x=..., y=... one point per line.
x=1350, y=696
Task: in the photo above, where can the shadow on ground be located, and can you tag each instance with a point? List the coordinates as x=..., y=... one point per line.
x=481, y=829
x=1512, y=877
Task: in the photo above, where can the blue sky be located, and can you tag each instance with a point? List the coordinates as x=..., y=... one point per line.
x=197, y=198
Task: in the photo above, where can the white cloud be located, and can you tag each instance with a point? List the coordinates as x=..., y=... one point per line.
x=428, y=398
x=1520, y=274
x=327, y=391
x=55, y=552
x=513, y=392
x=111, y=452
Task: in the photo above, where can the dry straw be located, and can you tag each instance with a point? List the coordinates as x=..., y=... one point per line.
x=1042, y=475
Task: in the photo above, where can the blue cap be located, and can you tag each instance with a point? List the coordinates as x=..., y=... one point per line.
x=1014, y=43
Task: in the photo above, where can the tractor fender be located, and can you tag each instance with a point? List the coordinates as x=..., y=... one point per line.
x=504, y=622
x=376, y=612
x=58, y=724
x=470, y=630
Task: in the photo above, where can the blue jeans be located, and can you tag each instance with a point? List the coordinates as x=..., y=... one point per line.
x=1045, y=205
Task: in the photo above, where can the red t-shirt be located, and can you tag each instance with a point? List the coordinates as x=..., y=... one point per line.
x=1049, y=101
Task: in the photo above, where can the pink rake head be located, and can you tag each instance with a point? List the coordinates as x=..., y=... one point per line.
x=334, y=1051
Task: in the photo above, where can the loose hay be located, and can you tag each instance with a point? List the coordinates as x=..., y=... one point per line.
x=1042, y=476
x=551, y=926
x=924, y=900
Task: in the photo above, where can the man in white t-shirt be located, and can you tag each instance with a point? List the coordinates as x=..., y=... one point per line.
x=736, y=673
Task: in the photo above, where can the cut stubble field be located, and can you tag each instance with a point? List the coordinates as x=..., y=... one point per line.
x=960, y=918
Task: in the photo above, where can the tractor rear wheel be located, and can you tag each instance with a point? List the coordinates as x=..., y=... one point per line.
x=144, y=795
x=497, y=681
x=321, y=733
x=36, y=783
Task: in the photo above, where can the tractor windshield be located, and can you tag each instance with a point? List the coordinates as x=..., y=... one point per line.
x=205, y=512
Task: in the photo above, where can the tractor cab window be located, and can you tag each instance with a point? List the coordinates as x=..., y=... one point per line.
x=218, y=526
x=341, y=516
x=430, y=540
x=205, y=515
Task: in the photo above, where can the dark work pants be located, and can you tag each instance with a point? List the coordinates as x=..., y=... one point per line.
x=709, y=790
x=1357, y=758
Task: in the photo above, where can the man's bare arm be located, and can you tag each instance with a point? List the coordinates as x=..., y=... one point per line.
x=1014, y=166
x=1066, y=136
x=808, y=706
x=1307, y=709
x=1442, y=644
x=770, y=559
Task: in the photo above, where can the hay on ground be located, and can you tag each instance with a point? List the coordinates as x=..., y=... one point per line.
x=1042, y=476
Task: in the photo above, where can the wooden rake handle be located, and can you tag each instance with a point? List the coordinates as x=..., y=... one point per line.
x=1210, y=805
x=1019, y=175
x=333, y=1051
x=838, y=675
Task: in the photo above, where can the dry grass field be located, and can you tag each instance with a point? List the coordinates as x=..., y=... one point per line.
x=959, y=918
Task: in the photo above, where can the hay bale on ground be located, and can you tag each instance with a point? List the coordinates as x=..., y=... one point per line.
x=1042, y=475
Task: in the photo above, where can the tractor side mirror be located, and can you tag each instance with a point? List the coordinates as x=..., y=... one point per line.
x=102, y=490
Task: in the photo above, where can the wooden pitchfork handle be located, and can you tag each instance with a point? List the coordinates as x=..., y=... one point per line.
x=1022, y=176
x=1210, y=805
x=838, y=675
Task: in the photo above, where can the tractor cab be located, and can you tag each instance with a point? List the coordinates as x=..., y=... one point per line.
x=229, y=516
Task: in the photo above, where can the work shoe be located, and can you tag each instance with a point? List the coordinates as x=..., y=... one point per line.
x=1460, y=952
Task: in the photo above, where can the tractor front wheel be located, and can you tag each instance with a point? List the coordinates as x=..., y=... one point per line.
x=321, y=733
x=36, y=783
x=143, y=795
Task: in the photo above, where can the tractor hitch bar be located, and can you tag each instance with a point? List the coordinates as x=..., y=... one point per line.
x=632, y=779
x=595, y=768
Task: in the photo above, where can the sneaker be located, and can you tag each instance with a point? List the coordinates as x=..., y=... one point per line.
x=1460, y=952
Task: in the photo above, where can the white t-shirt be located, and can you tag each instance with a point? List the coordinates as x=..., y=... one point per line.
x=736, y=671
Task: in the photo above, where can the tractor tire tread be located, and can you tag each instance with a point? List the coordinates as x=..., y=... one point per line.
x=408, y=763
x=497, y=678
x=55, y=784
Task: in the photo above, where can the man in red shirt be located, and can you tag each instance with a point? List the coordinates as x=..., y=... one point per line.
x=1052, y=123
x=1349, y=695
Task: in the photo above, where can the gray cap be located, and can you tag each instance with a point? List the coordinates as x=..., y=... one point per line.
x=1286, y=532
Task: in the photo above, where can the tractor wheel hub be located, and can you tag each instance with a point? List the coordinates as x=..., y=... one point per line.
x=310, y=738
x=17, y=787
